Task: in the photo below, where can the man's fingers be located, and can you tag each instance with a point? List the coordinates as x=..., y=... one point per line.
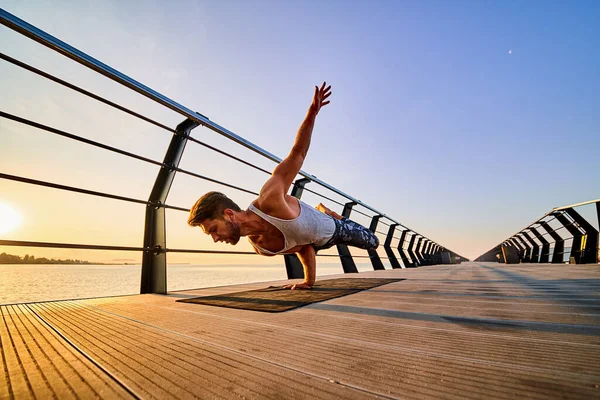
x=321, y=94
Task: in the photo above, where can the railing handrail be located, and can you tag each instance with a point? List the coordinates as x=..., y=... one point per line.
x=575, y=205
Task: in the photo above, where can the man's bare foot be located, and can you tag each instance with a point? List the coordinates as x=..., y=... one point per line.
x=327, y=211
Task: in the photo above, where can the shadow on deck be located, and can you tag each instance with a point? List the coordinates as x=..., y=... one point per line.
x=475, y=330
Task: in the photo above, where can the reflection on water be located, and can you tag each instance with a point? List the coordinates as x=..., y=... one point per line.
x=26, y=283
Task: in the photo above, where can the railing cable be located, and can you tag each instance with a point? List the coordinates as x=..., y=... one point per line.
x=84, y=191
x=82, y=91
x=115, y=150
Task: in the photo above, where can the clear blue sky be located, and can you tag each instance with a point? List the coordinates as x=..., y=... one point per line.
x=464, y=120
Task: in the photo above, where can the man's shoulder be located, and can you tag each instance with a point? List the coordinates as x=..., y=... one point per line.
x=270, y=201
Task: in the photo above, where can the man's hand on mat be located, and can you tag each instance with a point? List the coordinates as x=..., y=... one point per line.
x=299, y=286
x=320, y=96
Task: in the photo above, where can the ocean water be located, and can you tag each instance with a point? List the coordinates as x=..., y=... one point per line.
x=20, y=283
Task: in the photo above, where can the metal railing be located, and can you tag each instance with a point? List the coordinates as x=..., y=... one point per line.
x=154, y=248
x=524, y=246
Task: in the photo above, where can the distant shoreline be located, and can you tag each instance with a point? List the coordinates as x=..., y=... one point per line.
x=63, y=263
x=10, y=259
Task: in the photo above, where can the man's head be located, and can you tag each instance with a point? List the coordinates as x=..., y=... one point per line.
x=215, y=214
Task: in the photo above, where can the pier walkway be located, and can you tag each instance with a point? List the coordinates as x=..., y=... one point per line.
x=469, y=331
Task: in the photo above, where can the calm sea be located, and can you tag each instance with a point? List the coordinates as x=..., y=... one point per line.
x=25, y=283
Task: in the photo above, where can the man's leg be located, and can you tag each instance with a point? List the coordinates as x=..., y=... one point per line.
x=351, y=233
x=354, y=234
x=327, y=211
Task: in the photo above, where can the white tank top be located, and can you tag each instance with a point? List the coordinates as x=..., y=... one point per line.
x=311, y=226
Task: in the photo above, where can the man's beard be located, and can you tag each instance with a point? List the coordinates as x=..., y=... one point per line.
x=233, y=232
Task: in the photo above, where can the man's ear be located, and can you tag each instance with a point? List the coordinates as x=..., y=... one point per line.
x=228, y=214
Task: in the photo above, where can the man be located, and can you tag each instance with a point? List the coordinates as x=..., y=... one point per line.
x=277, y=223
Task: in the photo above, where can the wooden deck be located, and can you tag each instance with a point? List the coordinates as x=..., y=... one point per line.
x=476, y=330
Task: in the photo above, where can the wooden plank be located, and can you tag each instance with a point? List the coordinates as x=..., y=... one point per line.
x=169, y=365
x=55, y=384
x=6, y=390
x=19, y=382
x=38, y=364
x=84, y=379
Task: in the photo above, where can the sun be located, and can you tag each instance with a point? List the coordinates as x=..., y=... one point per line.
x=10, y=219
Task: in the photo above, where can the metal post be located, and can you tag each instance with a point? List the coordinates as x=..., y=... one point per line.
x=373, y=255
x=598, y=214
x=424, y=259
x=429, y=247
x=388, y=249
x=535, y=252
x=410, y=250
x=293, y=266
x=154, y=260
x=435, y=257
x=510, y=253
x=500, y=255
x=559, y=244
x=432, y=253
x=577, y=236
x=590, y=251
x=435, y=254
x=418, y=250
x=520, y=250
x=527, y=254
x=545, y=256
x=345, y=257
x=405, y=260
x=425, y=252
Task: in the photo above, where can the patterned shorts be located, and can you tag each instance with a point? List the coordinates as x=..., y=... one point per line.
x=350, y=233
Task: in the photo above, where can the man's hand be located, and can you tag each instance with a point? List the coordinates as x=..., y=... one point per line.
x=320, y=96
x=299, y=286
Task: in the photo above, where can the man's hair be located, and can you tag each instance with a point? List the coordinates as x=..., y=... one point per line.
x=210, y=206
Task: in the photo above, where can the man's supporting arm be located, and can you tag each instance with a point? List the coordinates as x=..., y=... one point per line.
x=308, y=258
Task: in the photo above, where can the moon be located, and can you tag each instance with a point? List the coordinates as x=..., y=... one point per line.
x=10, y=219
x=510, y=51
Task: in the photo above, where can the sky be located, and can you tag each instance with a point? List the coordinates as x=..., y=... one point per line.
x=465, y=121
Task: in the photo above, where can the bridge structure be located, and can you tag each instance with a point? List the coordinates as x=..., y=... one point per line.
x=444, y=327
x=543, y=241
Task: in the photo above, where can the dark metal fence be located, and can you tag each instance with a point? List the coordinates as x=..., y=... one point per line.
x=533, y=244
x=154, y=264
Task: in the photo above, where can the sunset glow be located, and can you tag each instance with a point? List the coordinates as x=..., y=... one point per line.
x=10, y=219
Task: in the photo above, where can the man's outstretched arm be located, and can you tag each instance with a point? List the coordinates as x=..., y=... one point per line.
x=308, y=258
x=285, y=173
